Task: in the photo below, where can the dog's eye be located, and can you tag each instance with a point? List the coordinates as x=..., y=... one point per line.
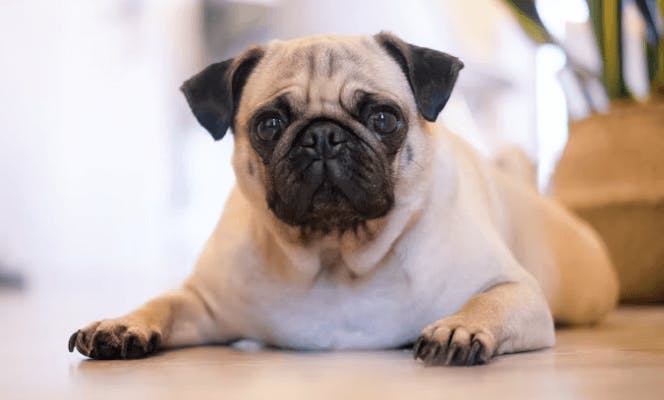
x=384, y=122
x=270, y=128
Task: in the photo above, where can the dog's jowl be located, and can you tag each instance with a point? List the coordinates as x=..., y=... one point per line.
x=360, y=223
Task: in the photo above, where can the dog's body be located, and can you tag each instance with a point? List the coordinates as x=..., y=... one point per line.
x=431, y=231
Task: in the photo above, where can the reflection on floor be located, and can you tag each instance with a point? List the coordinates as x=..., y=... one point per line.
x=622, y=358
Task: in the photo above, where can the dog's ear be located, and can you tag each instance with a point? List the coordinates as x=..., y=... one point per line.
x=214, y=93
x=430, y=73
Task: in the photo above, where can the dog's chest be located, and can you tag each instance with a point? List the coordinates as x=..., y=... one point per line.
x=387, y=309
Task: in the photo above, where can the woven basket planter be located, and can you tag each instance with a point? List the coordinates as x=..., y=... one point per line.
x=612, y=175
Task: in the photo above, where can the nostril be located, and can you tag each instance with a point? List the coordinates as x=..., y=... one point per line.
x=337, y=136
x=308, y=140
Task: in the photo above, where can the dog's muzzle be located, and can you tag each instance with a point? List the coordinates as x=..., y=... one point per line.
x=332, y=180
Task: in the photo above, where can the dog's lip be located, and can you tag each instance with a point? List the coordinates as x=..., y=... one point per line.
x=293, y=155
x=331, y=184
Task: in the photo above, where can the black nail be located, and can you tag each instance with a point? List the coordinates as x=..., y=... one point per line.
x=474, y=352
x=72, y=341
x=417, y=347
x=433, y=354
x=451, y=352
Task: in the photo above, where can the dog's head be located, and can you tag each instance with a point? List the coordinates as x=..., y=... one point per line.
x=325, y=127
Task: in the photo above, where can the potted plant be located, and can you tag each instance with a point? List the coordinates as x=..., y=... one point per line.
x=612, y=170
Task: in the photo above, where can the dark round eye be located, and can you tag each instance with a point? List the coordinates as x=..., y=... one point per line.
x=270, y=128
x=384, y=122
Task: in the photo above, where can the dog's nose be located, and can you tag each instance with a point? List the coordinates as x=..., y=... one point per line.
x=325, y=138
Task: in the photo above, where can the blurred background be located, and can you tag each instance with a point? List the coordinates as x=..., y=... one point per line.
x=107, y=181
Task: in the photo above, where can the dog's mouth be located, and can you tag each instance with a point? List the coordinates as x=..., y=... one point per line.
x=331, y=199
x=330, y=210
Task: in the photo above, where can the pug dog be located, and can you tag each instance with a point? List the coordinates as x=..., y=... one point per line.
x=359, y=223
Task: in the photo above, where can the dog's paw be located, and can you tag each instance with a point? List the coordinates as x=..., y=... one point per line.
x=450, y=342
x=115, y=339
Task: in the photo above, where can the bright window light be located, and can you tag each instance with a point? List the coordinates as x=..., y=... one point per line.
x=556, y=13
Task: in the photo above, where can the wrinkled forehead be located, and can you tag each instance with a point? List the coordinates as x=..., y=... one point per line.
x=325, y=75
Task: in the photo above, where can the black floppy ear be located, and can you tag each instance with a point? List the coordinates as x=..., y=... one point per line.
x=430, y=73
x=214, y=93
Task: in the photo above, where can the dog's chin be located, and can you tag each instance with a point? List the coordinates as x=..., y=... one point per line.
x=330, y=211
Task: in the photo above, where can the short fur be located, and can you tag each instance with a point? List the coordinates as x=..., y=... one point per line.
x=458, y=257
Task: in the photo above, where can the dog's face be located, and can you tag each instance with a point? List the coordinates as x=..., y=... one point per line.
x=324, y=126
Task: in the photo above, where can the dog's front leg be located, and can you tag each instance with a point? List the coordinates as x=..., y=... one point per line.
x=508, y=317
x=177, y=318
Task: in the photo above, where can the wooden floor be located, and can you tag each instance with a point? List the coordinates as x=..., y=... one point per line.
x=621, y=359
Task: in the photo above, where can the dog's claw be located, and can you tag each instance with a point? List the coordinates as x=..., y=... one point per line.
x=432, y=354
x=474, y=352
x=417, y=347
x=451, y=353
x=72, y=341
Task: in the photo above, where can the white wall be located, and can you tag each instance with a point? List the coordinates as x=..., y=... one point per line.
x=104, y=175
x=97, y=145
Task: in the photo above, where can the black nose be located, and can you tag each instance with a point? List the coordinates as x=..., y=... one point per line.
x=325, y=138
